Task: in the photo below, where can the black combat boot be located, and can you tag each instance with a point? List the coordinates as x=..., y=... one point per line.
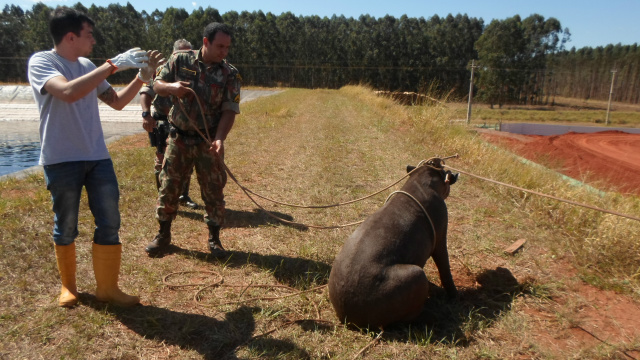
x=161, y=241
x=186, y=201
x=215, y=246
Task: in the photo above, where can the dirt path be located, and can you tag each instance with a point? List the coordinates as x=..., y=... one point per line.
x=608, y=160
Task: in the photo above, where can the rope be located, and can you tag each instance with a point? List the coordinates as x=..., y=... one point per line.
x=314, y=206
x=192, y=121
x=245, y=190
x=269, y=213
x=435, y=162
x=548, y=196
x=370, y=344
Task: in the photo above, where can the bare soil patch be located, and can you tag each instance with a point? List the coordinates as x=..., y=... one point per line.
x=609, y=160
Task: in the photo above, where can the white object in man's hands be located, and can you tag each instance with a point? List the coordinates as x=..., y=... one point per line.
x=132, y=58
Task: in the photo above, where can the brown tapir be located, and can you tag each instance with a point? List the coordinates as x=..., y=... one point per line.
x=378, y=277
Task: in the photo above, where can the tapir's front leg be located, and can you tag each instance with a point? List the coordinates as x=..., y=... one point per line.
x=441, y=258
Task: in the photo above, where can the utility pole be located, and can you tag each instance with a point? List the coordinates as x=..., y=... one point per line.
x=613, y=79
x=473, y=66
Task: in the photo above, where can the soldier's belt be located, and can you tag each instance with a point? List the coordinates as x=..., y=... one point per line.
x=160, y=117
x=189, y=133
x=189, y=137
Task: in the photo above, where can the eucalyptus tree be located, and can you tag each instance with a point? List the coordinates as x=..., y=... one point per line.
x=262, y=38
x=307, y=50
x=13, y=47
x=153, y=24
x=36, y=34
x=120, y=28
x=357, y=45
x=171, y=28
x=193, y=26
x=628, y=67
x=415, y=54
x=513, y=56
x=387, y=53
x=542, y=38
x=501, y=52
x=452, y=48
x=244, y=55
x=236, y=54
x=336, y=73
x=288, y=56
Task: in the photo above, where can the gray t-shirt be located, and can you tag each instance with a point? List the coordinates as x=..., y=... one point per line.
x=68, y=131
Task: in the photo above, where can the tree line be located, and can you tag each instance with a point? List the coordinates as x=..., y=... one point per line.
x=514, y=60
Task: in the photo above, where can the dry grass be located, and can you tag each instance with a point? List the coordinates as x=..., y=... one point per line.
x=563, y=111
x=319, y=147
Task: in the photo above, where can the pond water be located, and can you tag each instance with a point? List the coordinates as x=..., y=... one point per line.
x=20, y=143
x=18, y=155
x=19, y=124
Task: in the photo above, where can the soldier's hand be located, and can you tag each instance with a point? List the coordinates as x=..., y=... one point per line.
x=148, y=123
x=155, y=60
x=217, y=146
x=180, y=89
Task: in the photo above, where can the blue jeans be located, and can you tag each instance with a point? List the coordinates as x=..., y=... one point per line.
x=65, y=181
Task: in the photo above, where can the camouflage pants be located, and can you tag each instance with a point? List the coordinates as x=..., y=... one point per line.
x=179, y=160
x=157, y=167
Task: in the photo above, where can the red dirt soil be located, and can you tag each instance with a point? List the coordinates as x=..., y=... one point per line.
x=608, y=160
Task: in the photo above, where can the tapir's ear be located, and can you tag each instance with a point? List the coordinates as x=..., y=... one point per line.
x=410, y=168
x=451, y=177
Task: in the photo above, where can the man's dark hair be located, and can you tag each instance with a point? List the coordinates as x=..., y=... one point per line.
x=65, y=20
x=212, y=29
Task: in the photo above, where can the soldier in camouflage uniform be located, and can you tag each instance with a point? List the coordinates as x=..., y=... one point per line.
x=157, y=125
x=217, y=86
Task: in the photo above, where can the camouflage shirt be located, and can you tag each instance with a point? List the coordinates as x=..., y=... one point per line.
x=217, y=86
x=161, y=104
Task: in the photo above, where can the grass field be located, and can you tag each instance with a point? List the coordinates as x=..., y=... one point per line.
x=578, y=273
x=562, y=111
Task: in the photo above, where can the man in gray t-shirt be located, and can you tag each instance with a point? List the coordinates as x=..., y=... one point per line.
x=66, y=87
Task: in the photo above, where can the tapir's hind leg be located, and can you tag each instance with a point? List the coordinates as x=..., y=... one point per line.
x=402, y=296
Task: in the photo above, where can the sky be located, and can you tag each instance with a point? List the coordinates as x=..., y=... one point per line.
x=591, y=22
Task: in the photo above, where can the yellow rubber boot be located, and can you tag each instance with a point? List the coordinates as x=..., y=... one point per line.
x=66, y=259
x=106, y=266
